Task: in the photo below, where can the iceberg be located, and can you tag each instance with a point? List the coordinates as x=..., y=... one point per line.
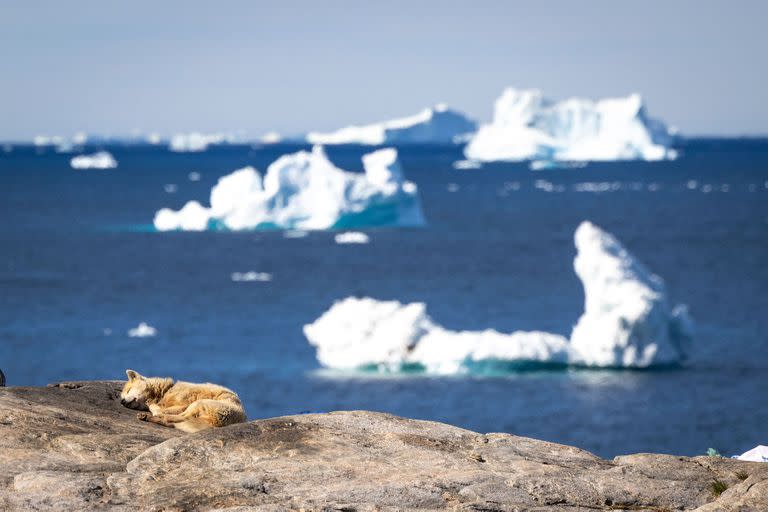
x=436, y=125
x=527, y=126
x=100, y=160
x=627, y=320
x=627, y=323
x=757, y=454
x=271, y=138
x=304, y=191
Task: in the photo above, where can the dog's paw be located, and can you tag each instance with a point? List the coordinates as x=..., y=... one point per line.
x=144, y=416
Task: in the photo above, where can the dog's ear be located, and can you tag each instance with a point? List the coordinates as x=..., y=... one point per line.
x=132, y=375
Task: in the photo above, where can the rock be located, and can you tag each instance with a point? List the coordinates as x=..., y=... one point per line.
x=2, y=379
x=73, y=447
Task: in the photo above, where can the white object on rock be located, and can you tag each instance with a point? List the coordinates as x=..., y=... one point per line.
x=436, y=125
x=627, y=323
x=143, y=330
x=351, y=237
x=304, y=190
x=757, y=454
x=527, y=126
x=100, y=160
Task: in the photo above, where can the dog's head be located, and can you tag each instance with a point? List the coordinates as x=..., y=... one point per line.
x=137, y=391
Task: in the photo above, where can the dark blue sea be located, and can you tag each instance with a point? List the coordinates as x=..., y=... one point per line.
x=80, y=266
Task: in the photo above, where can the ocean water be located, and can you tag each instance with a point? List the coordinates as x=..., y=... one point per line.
x=80, y=266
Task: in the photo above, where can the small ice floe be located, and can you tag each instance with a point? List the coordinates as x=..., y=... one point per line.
x=597, y=187
x=351, y=237
x=194, y=142
x=107, y=331
x=757, y=454
x=653, y=187
x=194, y=176
x=100, y=160
x=171, y=188
x=452, y=187
x=295, y=233
x=752, y=187
x=251, y=276
x=706, y=188
x=7, y=148
x=143, y=330
x=692, y=184
x=548, y=186
x=541, y=165
x=725, y=187
x=463, y=165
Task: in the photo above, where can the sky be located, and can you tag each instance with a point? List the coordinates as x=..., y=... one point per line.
x=292, y=66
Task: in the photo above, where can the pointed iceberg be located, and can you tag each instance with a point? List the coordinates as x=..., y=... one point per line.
x=305, y=190
x=436, y=125
x=627, y=323
x=528, y=126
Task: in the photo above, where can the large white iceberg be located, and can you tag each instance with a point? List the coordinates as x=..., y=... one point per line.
x=304, y=190
x=100, y=160
x=627, y=323
x=436, y=125
x=528, y=126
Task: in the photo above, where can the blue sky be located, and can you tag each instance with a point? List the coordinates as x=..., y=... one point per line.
x=292, y=66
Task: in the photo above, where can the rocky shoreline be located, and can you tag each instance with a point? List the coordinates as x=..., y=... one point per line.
x=71, y=446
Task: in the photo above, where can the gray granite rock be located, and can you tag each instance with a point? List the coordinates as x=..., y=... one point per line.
x=73, y=447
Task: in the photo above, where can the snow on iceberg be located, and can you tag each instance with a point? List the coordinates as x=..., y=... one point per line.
x=304, y=190
x=527, y=126
x=100, y=160
x=436, y=125
x=627, y=323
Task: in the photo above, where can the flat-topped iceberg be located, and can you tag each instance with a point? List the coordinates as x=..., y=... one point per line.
x=436, y=125
x=304, y=190
x=627, y=323
x=100, y=160
x=528, y=126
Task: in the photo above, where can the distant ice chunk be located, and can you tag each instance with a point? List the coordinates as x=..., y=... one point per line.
x=295, y=233
x=351, y=237
x=305, y=191
x=143, y=330
x=464, y=165
x=627, y=322
x=170, y=188
x=527, y=126
x=271, y=138
x=192, y=217
x=250, y=276
x=194, y=176
x=436, y=125
x=100, y=160
x=196, y=142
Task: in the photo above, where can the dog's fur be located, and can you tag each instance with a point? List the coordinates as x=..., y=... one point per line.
x=182, y=405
